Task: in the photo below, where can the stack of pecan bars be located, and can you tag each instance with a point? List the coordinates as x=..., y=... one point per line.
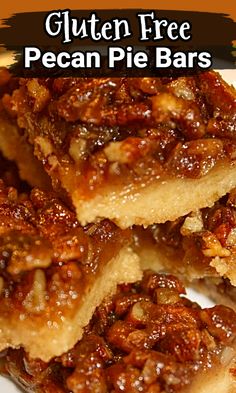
x=109, y=186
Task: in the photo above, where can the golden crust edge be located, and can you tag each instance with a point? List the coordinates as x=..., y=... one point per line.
x=158, y=202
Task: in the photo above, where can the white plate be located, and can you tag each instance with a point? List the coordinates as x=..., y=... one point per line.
x=7, y=386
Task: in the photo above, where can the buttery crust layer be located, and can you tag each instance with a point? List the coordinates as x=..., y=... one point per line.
x=157, y=202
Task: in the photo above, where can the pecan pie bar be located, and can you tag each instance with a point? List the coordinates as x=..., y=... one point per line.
x=199, y=245
x=53, y=272
x=147, y=338
x=133, y=150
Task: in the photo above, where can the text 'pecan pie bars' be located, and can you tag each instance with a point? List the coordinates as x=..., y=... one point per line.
x=53, y=272
x=134, y=150
x=145, y=338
